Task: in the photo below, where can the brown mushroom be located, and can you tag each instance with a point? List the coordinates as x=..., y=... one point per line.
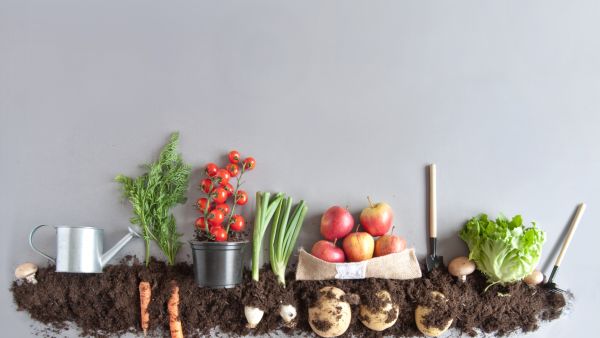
x=534, y=278
x=26, y=271
x=460, y=267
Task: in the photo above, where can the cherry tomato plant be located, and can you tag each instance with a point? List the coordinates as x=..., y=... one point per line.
x=221, y=197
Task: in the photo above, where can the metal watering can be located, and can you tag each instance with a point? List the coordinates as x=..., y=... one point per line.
x=80, y=249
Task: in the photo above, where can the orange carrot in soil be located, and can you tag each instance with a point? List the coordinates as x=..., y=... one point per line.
x=173, y=309
x=144, y=302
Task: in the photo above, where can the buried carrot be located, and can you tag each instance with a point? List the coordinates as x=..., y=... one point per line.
x=173, y=309
x=144, y=302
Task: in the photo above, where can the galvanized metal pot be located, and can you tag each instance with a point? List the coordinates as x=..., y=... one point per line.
x=218, y=264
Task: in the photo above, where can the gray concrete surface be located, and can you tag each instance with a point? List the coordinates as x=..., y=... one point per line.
x=336, y=100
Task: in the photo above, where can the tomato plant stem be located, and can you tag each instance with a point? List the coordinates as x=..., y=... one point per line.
x=235, y=196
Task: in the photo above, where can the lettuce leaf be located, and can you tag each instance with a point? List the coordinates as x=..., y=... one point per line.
x=505, y=251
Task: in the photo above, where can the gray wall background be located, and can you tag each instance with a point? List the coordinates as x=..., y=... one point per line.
x=335, y=99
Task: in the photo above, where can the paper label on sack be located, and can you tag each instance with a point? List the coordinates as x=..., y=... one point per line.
x=356, y=270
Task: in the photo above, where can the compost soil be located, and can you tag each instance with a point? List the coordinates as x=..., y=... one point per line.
x=233, y=236
x=107, y=304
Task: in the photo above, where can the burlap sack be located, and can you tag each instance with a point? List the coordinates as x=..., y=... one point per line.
x=401, y=265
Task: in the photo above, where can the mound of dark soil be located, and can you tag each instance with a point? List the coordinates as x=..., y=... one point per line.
x=234, y=236
x=107, y=304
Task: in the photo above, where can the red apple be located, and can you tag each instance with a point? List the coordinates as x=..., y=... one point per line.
x=377, y=218
x=336, y=223
x=388, y=244
x=328, y=252
x=358, y=246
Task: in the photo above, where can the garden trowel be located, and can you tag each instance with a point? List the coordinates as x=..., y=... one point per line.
x=433, y=261
x=550, y=284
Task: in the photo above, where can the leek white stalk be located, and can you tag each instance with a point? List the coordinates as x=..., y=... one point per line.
x=253, y=316
x=284, y=234
x=287, y=312
x=265, y=210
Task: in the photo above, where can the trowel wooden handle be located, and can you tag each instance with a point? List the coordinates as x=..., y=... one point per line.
x=570, y=234
x=432, y=203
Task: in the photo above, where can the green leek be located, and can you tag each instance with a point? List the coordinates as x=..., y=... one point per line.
x=265, y=209
x=284, y=234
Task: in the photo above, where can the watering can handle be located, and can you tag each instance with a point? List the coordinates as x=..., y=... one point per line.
x=33, y=246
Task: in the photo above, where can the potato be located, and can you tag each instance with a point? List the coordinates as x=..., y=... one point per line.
x=330, y=316
x=376, y=320
x=423, y=311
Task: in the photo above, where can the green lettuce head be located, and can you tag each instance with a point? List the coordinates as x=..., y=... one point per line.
x=505, y=251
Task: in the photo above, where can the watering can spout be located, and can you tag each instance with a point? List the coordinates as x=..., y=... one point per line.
x=108, y=255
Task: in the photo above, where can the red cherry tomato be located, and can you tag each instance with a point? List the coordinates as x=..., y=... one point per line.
x=214, y=228
x=249, y=163
x=224, y=207
x=229, y=189
x=219, y=233
x=205, y=185
x=237, y=223
x=234, y=157
x=200, y=223
x=222, y=176
x=242, y=197
x=215, y=217
x=211, y=169
x=202, y=204
x=219, y=195
x=233, y=169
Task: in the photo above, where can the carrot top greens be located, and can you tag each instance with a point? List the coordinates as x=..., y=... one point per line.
x=154, y=194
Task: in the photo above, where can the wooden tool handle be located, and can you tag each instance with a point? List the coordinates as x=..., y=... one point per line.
x=432, y=203
x=570, y=234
